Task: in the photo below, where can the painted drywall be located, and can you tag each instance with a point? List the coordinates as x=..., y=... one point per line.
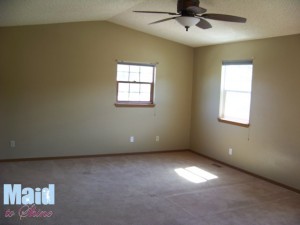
x=58, y=89
x=270, y=147
x=57, y=94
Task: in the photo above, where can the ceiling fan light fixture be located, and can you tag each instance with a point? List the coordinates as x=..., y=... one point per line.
x=187, y=21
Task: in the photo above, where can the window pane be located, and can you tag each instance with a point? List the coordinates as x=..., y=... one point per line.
x=123, y=87
x=145, y=97
x=145, y=88
x=237, y=105
x=237, y=77
x=123, y=96
x=134, y=69
x=134, y=96
x=147, y=74
x=123, y=68
x=134, y=88
x=134, y=77
x=122, y=76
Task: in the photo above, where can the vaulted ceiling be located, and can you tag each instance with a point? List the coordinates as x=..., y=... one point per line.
x=265, y=18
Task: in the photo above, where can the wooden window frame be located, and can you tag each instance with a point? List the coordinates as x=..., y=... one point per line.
x=136, y=103
x=223, y=94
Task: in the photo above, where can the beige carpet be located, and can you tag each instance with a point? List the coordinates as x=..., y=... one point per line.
x=146, y=189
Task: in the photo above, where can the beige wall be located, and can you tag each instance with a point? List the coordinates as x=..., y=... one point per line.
x=57, y=91
x=271, y=146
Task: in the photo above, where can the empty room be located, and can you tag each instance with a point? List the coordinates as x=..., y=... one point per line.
x=136, y=112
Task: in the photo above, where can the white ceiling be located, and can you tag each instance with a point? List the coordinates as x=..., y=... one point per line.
x=265, y=18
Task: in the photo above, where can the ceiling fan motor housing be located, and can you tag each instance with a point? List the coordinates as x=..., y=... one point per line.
x=182, y=5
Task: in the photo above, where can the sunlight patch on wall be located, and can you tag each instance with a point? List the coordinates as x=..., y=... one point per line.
x=195, y=174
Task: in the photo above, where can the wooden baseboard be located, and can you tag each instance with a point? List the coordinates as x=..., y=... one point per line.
x=87, y=156
x=249, y=173
x=154, y=152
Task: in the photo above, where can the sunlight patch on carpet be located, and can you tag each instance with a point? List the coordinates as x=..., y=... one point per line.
x=195, y=174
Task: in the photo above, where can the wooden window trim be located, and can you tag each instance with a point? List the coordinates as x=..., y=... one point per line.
x=222, y=120
x=136, y=103
x=224, y=92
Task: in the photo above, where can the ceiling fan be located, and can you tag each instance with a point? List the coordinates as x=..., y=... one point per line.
x=189, y=13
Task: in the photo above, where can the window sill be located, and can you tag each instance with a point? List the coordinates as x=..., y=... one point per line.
x=134, y=104
x=223, y=120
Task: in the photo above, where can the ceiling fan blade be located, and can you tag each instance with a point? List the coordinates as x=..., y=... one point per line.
x=170, y=13
x=224, y=17
x=203, y=24
x=163, y=20
x=196, y=9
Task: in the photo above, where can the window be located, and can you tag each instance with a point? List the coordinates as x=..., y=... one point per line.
x=236, y=92
x=135, y=84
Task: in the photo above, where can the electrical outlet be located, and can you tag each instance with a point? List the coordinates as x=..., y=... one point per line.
x=157, y=138
x=230, y=152
x=131, y=139
x=12, y=143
